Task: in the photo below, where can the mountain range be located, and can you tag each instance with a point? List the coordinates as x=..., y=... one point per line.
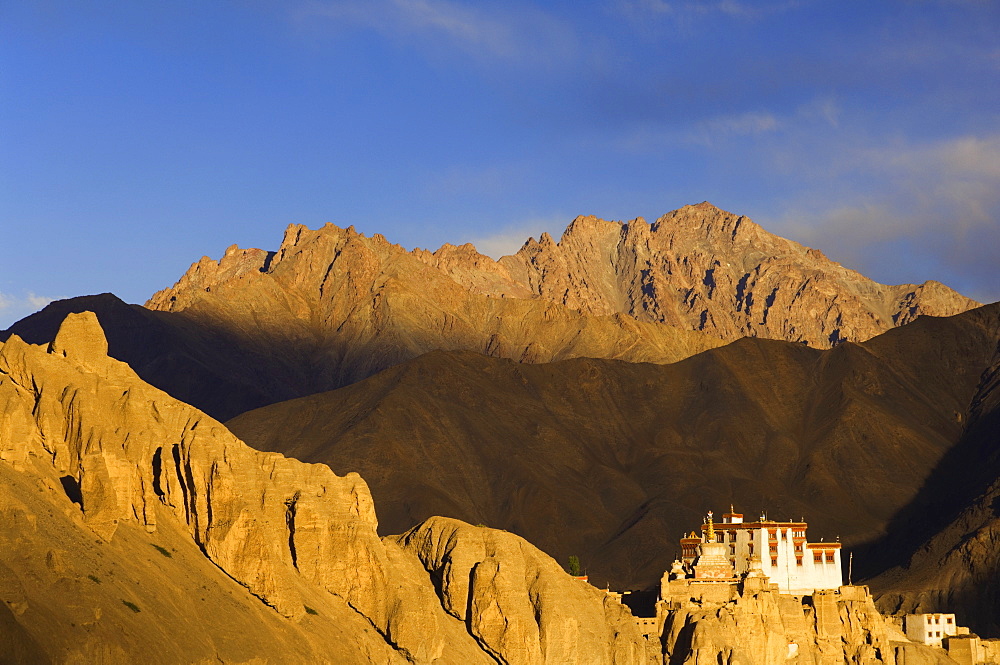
x=594, y=396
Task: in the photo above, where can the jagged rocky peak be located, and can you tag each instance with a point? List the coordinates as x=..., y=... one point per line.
x=706, y=269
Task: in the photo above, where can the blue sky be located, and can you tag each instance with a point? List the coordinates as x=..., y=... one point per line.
x=136, y=137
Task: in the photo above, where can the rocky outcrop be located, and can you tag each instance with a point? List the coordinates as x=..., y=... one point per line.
x=759, y=626
x=122, y=448
x=97, y=463
x=517, y=601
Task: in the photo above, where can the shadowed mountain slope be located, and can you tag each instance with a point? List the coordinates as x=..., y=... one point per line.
x=949, y=535
x=612, y=461
x=194, y=363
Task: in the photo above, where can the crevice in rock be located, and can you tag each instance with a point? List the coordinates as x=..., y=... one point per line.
x=72, y=488
x=709, y=280
x=382, y=633
x=741, y=288
x=290, y=507
x=191, y=505
x=267, y=261
x=157, y=470
x=176, y=450
x=768, y=301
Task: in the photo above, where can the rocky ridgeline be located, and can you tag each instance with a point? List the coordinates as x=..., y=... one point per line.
x=332, y=306
x=262, y=558
x=701, y=268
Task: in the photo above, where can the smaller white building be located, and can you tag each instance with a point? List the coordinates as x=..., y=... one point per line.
x=930, y=629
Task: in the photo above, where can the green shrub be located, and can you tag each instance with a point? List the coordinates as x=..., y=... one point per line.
x=310, y=610
x=94, y=578
x=163, y=550
x=131, y=606
x=574, y=566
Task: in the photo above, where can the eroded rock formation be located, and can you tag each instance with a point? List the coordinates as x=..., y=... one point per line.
x=95, y=462
x=130, y=520
x=756, y=625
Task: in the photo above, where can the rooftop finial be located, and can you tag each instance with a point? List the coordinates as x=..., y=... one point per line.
x=711, y=528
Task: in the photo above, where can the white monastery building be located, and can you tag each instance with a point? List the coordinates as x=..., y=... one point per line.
x=780, y=549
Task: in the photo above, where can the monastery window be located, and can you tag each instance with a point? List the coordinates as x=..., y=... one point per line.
x=798, y=547
x=949, y=620
x=751, y=549
x=818, y=558
x=928, y=618
x=774, y=561
x=798, y=561
x=937, y=634
x=774, y=548
x=829, y=557
x=732, y=549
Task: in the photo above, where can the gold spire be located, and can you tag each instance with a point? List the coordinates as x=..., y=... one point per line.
x=711, y=529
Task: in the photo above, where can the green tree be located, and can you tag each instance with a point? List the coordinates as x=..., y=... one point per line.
x=574, y=565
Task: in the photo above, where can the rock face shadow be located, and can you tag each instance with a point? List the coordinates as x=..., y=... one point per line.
x=71, y=486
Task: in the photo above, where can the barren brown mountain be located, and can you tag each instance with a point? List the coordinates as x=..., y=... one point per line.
x=701, y=268
x=950, y=534
x=331, y=306
x=612, y=461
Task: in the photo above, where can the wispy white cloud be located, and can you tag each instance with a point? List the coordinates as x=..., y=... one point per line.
x=709, y=131
x=14, y=308
x=823, y=108
x=492, y=180
x=511, y=33
x=743, y=124
x=686, y=9
x=935, y=211
x=510, y=239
